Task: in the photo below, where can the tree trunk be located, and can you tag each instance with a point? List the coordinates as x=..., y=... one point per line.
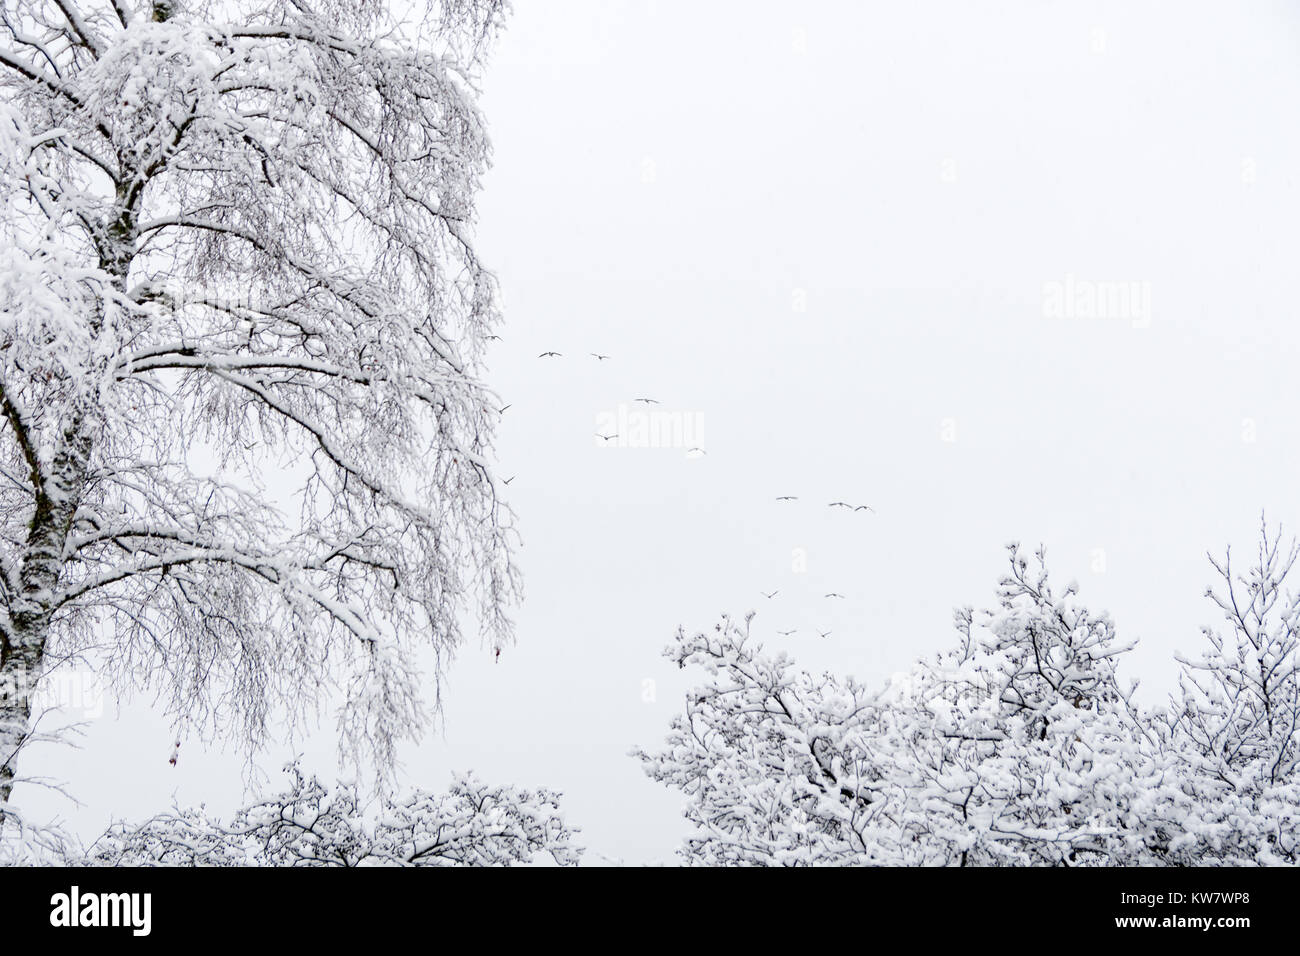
x=23, y=650
x=57, y=494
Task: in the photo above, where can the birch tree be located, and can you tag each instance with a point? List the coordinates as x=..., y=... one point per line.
x=247, y=448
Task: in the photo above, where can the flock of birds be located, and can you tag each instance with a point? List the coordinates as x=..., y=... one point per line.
x=596, y=355
x=833, y=504
x=644, y=400
x=848, y=506
x=830, y=595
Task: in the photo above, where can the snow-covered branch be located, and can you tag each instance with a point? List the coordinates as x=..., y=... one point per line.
x=312, y=825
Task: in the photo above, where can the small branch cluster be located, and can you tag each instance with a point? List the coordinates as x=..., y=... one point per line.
x=312, y=825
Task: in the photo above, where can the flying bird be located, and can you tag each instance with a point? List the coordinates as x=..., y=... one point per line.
x=648, y=401
x=824, y=633
x=502, y=409
x=510, y=479
x=788, y=498
x=787, y=633
x=607, y=437
x=865, y=508
x=598, y=357
x=549, y=354
x=840, y=504
x=833, y=594
x=770, y=596
x=693, y=450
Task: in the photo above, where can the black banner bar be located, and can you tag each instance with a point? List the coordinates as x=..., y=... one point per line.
x=140, y=907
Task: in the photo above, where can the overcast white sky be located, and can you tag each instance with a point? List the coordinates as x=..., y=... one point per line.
x=825, y=234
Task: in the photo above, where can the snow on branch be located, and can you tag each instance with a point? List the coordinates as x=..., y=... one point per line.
x=310, y=824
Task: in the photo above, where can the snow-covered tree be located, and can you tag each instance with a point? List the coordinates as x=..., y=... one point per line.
x=1235, y=726
x=313, y=825
x=780, y=767
x=1017, y=747
x=246, y=448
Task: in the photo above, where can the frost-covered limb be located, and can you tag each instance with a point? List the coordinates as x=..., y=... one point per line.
x=236, y=237
x=311, y=825
x=23, y=842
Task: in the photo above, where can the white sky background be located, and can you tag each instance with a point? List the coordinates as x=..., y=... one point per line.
x=672, y=181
